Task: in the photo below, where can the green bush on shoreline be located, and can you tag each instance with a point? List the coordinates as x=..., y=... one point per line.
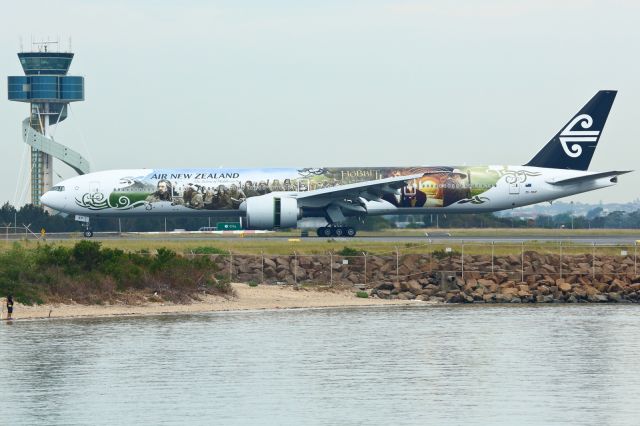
x=88, y=273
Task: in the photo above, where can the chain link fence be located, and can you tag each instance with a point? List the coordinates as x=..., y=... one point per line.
x=523, y=262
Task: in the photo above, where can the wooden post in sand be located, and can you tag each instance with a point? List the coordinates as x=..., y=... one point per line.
x=262, y=256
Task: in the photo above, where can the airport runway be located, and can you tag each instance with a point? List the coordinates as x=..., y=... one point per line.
x=516, y=239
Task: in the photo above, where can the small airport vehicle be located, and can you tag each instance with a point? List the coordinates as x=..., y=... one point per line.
x=278, y=198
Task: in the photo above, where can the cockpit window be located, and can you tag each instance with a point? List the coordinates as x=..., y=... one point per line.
x=58, y=188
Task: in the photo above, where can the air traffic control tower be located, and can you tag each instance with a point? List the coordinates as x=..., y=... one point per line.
x=48, y=90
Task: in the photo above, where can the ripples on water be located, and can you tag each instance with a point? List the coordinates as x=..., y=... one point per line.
x=389, y=366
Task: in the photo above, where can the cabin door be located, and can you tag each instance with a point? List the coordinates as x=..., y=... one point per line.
x=514, y=188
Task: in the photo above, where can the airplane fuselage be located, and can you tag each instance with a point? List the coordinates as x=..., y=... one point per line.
x=224, y=192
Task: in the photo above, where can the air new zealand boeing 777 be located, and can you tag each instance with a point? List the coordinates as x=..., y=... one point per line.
x=280, y=197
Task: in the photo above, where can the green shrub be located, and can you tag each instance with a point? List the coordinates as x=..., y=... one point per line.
x=87, y=254
x=209, y=250
x=348, y=251
x=441, y=253
x=362, y=294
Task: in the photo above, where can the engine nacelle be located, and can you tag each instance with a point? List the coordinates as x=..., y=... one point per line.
x=271, y=211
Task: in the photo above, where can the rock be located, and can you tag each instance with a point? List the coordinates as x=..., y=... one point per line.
x=354, y=278
x=615, y=297
x=384, y=286
x=383, y=294
x=508, y=292
x=515, y=300
x=617, y=285
x=565, y=287
x=413, y=286
x=543, y=290
x=485, y=283
x=406, y=295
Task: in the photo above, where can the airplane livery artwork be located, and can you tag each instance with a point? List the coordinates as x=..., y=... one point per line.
x=227, y=190
x=277, y=198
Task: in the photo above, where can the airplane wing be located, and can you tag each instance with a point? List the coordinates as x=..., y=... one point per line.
x=346, y=198
x=586, y=178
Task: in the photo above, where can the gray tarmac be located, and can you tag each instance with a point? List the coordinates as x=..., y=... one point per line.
x=170, y=236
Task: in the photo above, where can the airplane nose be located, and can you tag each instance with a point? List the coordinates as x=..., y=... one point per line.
x=45, y=199
x=53, y=199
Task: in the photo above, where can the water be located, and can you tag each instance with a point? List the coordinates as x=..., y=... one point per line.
x=389, y=366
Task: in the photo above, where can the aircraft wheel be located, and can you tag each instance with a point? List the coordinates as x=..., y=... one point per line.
x=88, y=233
x=326, y=232
x=320, y=231
x=350, y=232
x=338, y=232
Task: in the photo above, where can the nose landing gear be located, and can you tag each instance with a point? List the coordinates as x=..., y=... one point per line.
x=88, y=232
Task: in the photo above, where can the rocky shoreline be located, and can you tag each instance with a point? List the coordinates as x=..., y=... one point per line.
x=530, y=277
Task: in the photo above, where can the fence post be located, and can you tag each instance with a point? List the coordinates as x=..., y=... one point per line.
x=430, y=257
x=635, y=258
x=330, y=268
x=560, y=259
x=295, y=268
x=462, y=261
x=522, y=261
x=593, y=261
x=397, y=264
x=493, y=247
x=230, y=266
x=262, y=266
x=365, y=268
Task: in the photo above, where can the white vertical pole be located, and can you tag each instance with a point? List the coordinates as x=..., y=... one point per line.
x=462, y=261
x=295, y=268
x=560, y=259
x=262, y=258
x=365, y=268
x=330, y=268
x=522, y=261
x=593, y=261
x=397, y=264
x=493, y=247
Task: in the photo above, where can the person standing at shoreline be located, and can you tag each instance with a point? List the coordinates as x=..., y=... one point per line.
x=9, y=306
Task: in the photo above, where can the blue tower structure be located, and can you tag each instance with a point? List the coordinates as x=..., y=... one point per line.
x=48, y=90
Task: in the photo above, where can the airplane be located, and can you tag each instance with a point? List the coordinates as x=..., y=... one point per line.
x=277, y=198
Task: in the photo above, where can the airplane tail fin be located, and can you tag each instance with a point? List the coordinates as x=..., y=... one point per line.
x=574, y=145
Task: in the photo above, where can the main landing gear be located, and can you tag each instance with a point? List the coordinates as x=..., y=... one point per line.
x=336, y=231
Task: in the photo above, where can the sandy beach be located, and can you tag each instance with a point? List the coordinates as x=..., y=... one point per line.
x=247, y=298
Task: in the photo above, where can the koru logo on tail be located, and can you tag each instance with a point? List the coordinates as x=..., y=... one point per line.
x=575, y=137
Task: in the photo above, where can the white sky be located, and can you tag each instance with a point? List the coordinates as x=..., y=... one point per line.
x=201, y=83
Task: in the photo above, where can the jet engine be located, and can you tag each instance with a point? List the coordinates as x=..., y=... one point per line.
x=270, y=212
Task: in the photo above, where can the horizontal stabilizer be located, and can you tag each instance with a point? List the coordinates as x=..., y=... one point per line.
x=586, y=178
